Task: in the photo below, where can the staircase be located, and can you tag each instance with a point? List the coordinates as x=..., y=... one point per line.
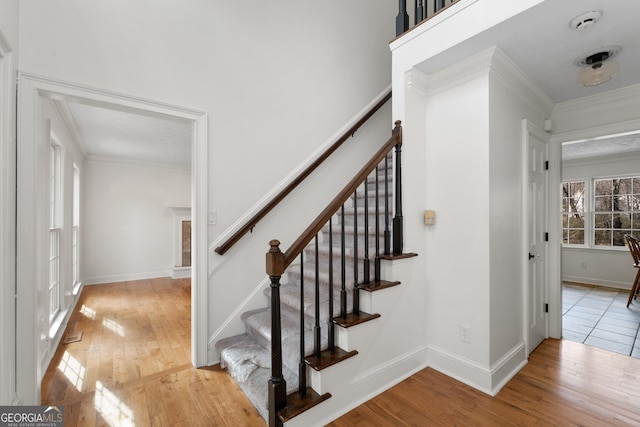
x=247, y=357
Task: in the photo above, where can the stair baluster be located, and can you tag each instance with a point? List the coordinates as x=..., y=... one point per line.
x=316, y=328
x=343, y=285
x=302, y=366
x=419, y=12
x=387, y=232
x=355, y=291
x=398, y=222
x=376, y=268
x=330, y=324
x=402, y=20
x=366, y=279
x=437, y=5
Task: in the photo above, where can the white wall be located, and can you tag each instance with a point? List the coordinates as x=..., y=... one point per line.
x=513, y=97
x=127, y=226
x=8, y=65
x=607, y=267
x=473, y=269
x=277, y=80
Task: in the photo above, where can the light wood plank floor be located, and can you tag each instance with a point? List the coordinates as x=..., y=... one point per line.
x=132, y=368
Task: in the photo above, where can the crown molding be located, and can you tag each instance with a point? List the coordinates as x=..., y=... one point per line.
x=598, y=131
x=493, y=61
x=611, y=158
x=615, y=98
x=504, y=68
x=62, y=109
x=475, y=66
x=137, y=163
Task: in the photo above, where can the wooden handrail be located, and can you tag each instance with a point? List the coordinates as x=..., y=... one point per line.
x=224, y=247
x=313, y=229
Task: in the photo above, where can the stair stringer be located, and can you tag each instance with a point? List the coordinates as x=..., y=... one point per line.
x=385, y=356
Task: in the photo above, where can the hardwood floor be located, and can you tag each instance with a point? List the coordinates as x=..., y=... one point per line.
x=132, y=368
x=564, y=384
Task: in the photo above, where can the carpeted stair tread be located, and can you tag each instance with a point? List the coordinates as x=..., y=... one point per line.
x=250, y=366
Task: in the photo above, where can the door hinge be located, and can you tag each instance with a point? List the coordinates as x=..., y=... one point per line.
x=546, y=237
x=546, y=308
x=546, y=165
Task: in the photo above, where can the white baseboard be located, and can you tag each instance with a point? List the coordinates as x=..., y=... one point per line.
x=487, y=379
x=359, y=390
x=125, y=277
x=599, y=282
x=180, y=272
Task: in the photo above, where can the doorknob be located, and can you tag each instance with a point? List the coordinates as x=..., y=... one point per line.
x=531, y=256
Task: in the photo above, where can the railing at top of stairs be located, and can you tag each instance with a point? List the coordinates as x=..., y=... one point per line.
x=278, y=261
x=422, y=11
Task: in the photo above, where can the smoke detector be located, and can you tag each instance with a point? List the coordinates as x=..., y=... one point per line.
x=585, y=20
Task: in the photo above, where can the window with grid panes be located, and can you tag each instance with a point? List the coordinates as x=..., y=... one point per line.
x=54, y=231
x=616, y=210
x=573, y=212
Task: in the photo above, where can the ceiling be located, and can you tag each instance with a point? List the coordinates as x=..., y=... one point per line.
x=110, y=133
x=543, y=44
x=540, y=40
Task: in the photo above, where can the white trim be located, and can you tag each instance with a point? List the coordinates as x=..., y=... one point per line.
x=616, y=98
x=114, y=278
x=7, y=224
x=62, y=108
x=103, y=159
x=595, y=132
x=503, y=67
x=180, y=272
x=602, y=159
x=487, y=379
x=598, y=282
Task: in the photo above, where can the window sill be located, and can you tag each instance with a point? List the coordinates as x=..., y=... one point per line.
x=57, y=322
x=609, y=249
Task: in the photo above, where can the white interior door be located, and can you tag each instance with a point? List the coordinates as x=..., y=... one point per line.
x=536, y=235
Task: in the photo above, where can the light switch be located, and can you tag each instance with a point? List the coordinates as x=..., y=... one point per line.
x=429, y=217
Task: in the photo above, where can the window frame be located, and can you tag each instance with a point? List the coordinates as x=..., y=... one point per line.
x=55, y=229
x=590, y=212
x=585, y=214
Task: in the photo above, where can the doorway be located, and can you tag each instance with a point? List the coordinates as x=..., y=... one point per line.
x=599, y=206
x=32, y=263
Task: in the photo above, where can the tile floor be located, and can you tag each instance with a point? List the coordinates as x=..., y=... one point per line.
x=598, y=316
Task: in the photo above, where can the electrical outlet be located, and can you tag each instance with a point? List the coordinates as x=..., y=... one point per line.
x=464, y=333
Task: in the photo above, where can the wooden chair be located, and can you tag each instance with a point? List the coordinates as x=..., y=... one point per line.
x=634, y=248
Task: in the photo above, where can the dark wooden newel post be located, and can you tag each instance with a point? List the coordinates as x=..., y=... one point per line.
x=277, y=384
x=398, y=225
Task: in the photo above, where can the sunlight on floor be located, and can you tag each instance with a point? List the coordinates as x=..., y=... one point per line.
x=114, y=411
x=91, y=314
x=73, y=370
x=113, y=326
